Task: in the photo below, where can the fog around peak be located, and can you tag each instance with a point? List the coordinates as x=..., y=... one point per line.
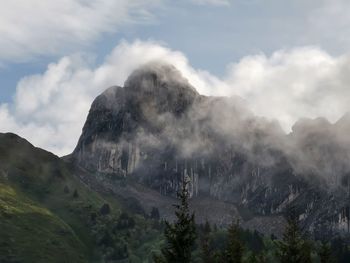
x=282, y=88
x=165, y=111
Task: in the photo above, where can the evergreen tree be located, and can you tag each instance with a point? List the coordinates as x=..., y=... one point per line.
x=253, y=258
x=305, y=251
x=206, y=253
x=180, y=235
x=257, y=258
x=293, y=248
x=325, y=253
x=340, y=248
x=217, y=257
x=155, y=213
x=75, y=193
x=158, y=259
x=235, y=248
x=105, y=209
x=262, y=258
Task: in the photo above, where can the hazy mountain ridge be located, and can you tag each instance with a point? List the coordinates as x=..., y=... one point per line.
x=158, y=129
x=138, y=144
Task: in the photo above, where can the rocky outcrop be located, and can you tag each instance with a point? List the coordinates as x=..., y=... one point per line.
x=157, y=130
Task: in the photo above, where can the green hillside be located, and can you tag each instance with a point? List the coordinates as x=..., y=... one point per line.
x=30, y=233
x=48, y=215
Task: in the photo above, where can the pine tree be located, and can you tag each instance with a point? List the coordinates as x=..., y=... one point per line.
x=305, y=251
x=155, y=213
x=180, y=235
x=325, y=253
x=206, y=253
x=253, y=258
x=262, y=258
x=293, y=248
x=235, y=248
x=257, y=258
x=75, y=193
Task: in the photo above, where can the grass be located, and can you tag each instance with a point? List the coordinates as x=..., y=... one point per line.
x=42, y=221
x=30, y=233
x=39, y=221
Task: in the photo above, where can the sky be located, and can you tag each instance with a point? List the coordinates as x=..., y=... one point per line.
x=287, y=59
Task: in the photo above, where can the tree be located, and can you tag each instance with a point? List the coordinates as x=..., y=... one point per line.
x=340, y=248
x=305, y=251
x=325, y=253
x=125, y=221
x=158, y=259
x=180, y=235
x=253, y=258
x=257, y=258
x=293, y=248
x=75, y=193
x=105, y=209
x=155, y=213
x=206, y=253
x=262, y=257
x=235, y=248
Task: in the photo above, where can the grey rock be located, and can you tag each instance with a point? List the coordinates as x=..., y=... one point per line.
x=157, y=130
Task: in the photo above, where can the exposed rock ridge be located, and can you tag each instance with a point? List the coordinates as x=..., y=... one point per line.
x=158, y=130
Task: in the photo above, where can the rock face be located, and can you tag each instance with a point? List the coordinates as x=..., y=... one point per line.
x=157, y=130
x=123, y=120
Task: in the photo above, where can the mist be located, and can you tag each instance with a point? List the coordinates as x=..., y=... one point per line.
x=158, y=113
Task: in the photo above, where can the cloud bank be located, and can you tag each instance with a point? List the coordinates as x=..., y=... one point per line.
x=50, y=27
x=291, y=84
x=49, y=109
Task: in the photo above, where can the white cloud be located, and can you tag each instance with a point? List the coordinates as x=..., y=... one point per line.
x=291, y=84
x=50, y=108
x=36, y=27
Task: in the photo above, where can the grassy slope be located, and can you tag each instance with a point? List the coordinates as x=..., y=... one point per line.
x=40, y=221
x=30, y=233
x=33, y=180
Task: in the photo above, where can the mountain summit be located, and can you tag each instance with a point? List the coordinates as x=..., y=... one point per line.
x=158, y=130
x=152, y=98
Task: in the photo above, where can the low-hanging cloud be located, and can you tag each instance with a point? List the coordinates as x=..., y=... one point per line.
x=292, y=84
x=49, y=109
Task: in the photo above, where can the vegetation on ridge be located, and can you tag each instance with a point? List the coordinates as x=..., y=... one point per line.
x=48, y=215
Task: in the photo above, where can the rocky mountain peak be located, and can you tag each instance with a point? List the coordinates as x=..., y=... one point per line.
x=154, y=97
x=157, y=75
x=158, y=130
x=157, y=88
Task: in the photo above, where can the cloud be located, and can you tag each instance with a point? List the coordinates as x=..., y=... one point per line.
x=291, y=84
x=31, y=28
x=50, y=109
x=212, y=2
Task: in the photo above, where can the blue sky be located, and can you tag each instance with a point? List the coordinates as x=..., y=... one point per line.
x=225, y=47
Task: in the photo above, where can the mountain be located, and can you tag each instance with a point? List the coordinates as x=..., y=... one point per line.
x=103, y=202
x=157, y=130
x=47, y=214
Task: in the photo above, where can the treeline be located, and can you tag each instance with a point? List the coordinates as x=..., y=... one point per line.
x=185, y=242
